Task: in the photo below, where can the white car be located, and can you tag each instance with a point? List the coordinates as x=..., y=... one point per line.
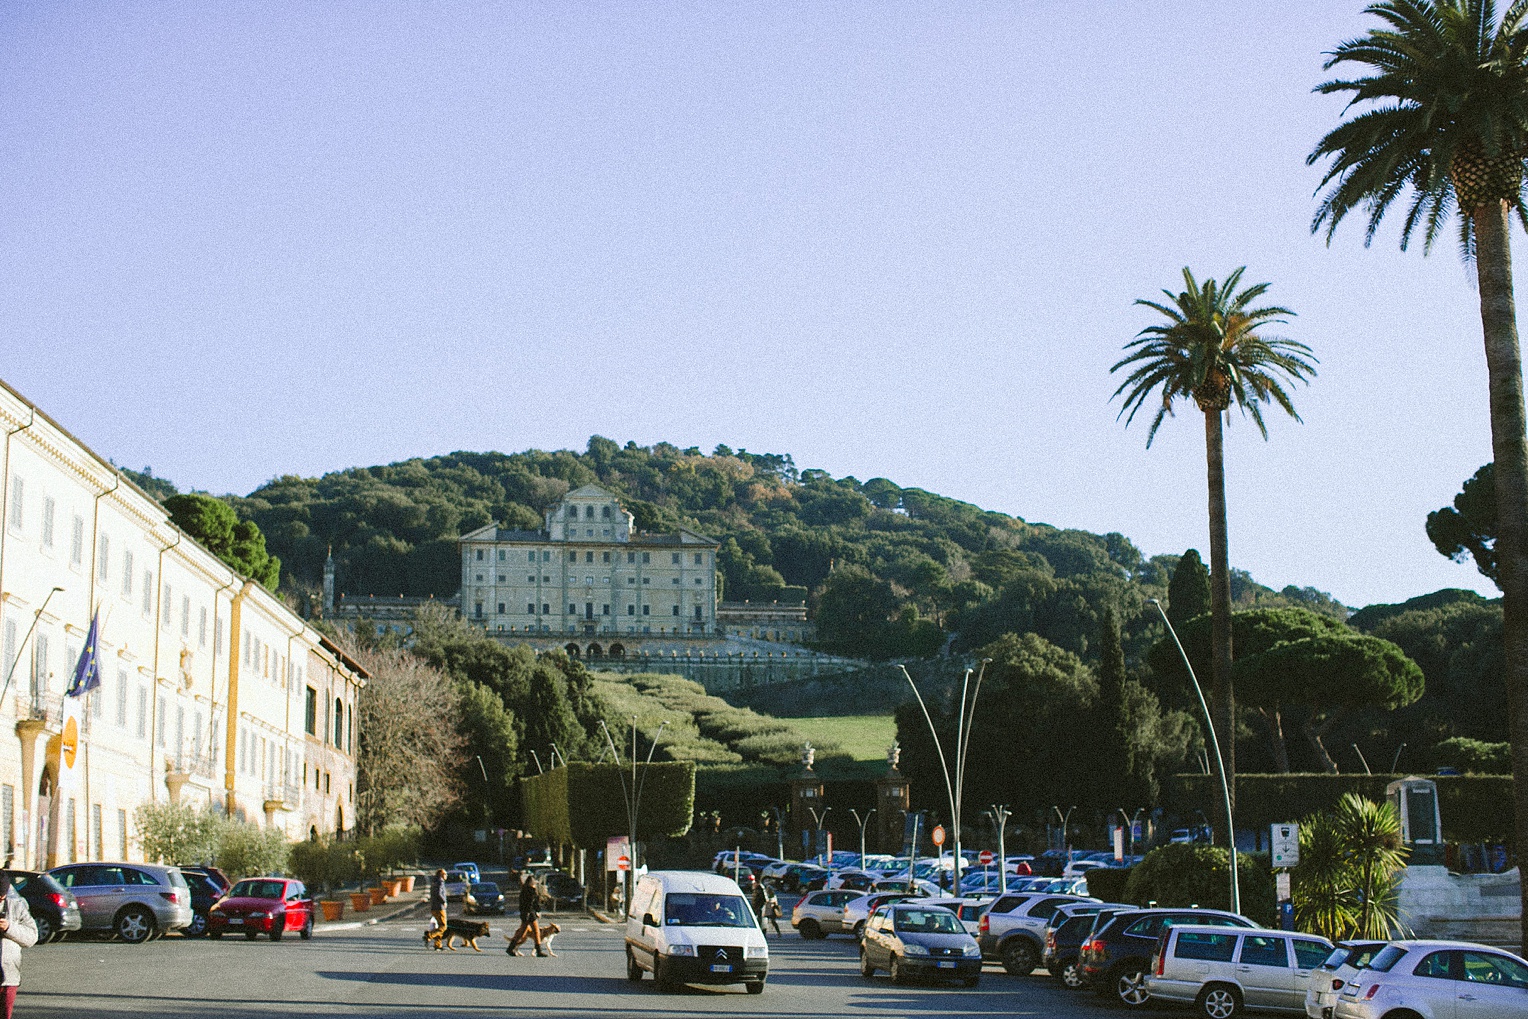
x=858, y=910
x=1220, y=970
x=818, y=914
x=969, y=909
x=1437, y=980
x=691, y=927
x=1333, y=975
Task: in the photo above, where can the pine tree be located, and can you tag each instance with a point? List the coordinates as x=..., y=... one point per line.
x=1188, y=593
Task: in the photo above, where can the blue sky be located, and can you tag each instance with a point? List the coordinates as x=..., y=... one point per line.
x=896, y=240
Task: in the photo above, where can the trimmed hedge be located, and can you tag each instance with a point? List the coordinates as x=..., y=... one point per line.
x=1108, y=883
x=585, y=804
x=1475, y=808
x=1187, y=874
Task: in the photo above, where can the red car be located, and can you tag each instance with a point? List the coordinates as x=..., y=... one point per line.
x=262, y=905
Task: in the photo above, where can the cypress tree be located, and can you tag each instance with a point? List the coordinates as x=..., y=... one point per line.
x=1188, y=593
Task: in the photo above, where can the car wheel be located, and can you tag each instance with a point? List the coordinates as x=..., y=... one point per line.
x=215, y=935
x=197, y=927
x=44, y=928
x=898, y=976
x=1070, y=975
x=867, y=969
x=251, y=935
x=135, y=925
x=1019, y=957
x=859, y=930
x=810, y=929
x=307, y=928
x=755, y=986
x=1218, y=1001
x=633, y=971
x=1130, y=986
x=278, y=928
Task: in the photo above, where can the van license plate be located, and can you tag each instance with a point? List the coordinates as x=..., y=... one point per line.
x=946, y=965
x=721, y=969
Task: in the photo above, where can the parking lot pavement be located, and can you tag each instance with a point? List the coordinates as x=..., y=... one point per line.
x=384, y=970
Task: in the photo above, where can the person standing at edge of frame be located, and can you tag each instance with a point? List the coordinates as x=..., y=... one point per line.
x=17, y=931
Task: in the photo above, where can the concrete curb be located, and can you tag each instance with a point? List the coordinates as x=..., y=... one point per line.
x=350, y=925
x=600, y=916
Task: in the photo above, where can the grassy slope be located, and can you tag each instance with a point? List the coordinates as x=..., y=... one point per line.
x=861, y=737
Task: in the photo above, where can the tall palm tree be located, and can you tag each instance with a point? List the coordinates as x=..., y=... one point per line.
x=1441, y=116
x=1212, y=350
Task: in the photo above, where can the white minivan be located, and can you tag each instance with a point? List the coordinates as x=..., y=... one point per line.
x=691, y=927
x=1222, y=970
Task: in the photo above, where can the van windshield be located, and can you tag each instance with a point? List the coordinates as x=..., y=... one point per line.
x=689, y=909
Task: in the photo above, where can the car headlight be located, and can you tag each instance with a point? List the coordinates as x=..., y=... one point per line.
x=682, y=950
x=756, y=952
x=914, y=950
x=973, y=952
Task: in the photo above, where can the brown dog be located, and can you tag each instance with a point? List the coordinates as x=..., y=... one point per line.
x=468, y=930
x=547, y=931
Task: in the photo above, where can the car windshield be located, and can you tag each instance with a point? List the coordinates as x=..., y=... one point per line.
x=689, y=909
x=927, y=921
x=1387, y=957
x=485, y=888
x=258, y=890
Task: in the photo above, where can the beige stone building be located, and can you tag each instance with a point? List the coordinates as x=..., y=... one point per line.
x=590, y=581
x=212, y=691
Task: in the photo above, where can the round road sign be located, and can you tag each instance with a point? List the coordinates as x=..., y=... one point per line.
x=986, y=857
x=623, y=862
x=938, y=834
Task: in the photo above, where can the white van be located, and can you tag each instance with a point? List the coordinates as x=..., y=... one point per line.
x=691, y=927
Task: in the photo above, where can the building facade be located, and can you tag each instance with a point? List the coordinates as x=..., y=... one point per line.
x=212, y=692
x=590, y=581
x=773, y=621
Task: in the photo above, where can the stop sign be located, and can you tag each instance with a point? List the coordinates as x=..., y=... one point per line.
x=938, y=834
x=986, y=857
x=623, y=862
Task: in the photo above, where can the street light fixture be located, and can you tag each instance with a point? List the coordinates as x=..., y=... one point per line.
x=1396, y=760
x=633, y=794
x=955, y=790
x=1220, y=763
x=817, y=819
x=862, y=821
x=1000, y=814
x=1065, y=846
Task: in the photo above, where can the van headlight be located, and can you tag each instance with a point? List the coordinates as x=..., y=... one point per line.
x=914, y=950
x=973, y=952
x=682, y=950
x=755, y=952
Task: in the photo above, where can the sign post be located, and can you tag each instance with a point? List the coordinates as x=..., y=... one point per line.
x=1284, y=846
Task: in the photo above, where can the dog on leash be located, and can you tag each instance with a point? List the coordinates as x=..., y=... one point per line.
x=548, y=931
x=467, y=930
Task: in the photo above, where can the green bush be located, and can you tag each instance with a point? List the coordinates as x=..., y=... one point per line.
x=1473, y=756
x=324, y=865
x=175, y=833
x=1186, y=874
x=1108, y=883
x=247, y=850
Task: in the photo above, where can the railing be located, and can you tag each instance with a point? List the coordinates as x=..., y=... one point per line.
x=289, y=793
x=40, y=707
x=202, y=765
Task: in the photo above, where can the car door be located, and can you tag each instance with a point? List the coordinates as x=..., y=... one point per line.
x=1309, y=955
x=878, y=937
x=1264, y=970
x=1494, y=986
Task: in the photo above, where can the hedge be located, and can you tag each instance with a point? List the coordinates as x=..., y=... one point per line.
x=1108, y=883
x=1475, y=808
x=585, y=804
x=1187, y=874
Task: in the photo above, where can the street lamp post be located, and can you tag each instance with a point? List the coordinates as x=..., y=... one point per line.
x=1066, y=847
x=1129, y=820
x=862, y=821
x=1000, y=813
x=956, y=789
x=1220, y=763
x=633, y=794
x=28, y=636
x=779, y=833
x=817, y=818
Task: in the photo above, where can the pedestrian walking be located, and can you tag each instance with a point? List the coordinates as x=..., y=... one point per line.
x=766, y=907
x=17, y=931
x=437, y=907
x=530, y=913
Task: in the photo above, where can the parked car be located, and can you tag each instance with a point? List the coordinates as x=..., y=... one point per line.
x=857, y=910
x=1435, y=980
x=1013, y=930
x=263, y=905
x=483, y=898
x=1221, y=970
x=212, y=873
x=913, y=939
x=1336, y=970
x=1065, y=932
x=455, y=885
x=205, y=891
x=562, y=889
x=795, y=877
x=1117, y=953
x=917, y=886
x=136, y=902
x=818, y=914
x=53, y=906
x=692, y=927
x=855, y=880
x=968, y=908
x=470, y=870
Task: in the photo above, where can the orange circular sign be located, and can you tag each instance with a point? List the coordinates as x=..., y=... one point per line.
x=938, y=835
x=69, y=744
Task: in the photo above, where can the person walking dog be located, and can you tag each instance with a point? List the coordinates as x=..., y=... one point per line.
x=17, y=931
x=530, y=912
x=437, y=907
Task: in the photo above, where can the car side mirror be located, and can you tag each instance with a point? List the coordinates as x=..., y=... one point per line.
x=648, y=920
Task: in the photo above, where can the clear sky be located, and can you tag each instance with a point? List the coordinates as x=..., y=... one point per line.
x=898, y=240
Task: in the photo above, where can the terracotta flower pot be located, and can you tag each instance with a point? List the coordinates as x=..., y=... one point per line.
x=391, y=887
x=378, y=896
x=408, y=882
x=333, y=910
x=360, y=901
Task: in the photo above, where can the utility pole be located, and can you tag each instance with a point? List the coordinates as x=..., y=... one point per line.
x=862, y=821
x=1000, y=813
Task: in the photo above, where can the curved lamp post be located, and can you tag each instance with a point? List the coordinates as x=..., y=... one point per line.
x=1220, y=763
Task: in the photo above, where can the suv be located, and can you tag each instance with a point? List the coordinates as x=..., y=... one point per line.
x=1013, y=930
x=1115, y=957
x=1220, y=969
x=206, y=890
x=1065, y=932
x=135, y=901
x=52, y=905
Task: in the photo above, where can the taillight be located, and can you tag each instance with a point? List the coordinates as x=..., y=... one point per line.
x=173, y=896
x=1050, y=941
x=57, y=898
x=985, y=925
x=1336, y=985
x=1371, y=992
x=1093, y=946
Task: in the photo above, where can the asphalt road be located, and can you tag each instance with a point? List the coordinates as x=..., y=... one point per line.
x=384, y=970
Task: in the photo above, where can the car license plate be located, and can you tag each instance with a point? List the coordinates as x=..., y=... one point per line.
x=721, y=969
x=235, y=921
x=946, y=965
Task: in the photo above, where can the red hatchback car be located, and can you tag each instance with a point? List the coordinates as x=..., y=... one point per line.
x=262, y=905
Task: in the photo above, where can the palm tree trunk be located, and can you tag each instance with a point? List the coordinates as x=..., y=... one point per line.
x=1504, y=364
x=1224, y=697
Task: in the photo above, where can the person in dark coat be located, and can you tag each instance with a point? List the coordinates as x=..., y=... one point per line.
x=437, y=908
x=530, y=911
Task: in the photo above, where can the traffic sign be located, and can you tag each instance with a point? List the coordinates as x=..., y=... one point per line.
x=986, y=858
x=623, y=863
x=938, y=834
x=1285, y=844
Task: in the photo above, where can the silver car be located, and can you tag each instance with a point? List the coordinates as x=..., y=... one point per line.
x=1328, y=981
x=818, y=914
x=135, y=901
x=1437, y=980
x=1222, y=969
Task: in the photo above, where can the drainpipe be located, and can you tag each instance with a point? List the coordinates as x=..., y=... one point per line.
x=95, y=545
x=212, y=680
x=231, y=751
x=5, y=495
x=154, y=704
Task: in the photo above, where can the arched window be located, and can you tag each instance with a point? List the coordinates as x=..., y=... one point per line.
x=339, y=723
x=588, y=512
x=605, y=512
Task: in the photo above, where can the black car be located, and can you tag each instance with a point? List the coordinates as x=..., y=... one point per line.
x=207, y=887
x=1065, y=932
x=1118, y=949
x=562, y=889
x=51, y=904
x=484, y=898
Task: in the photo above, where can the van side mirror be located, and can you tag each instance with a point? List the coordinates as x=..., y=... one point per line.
x=648, y=920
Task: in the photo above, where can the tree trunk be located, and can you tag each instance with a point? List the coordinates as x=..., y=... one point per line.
x=1498, y=316
x=1222, y=694
x=1314, y=733
x=1275, y=720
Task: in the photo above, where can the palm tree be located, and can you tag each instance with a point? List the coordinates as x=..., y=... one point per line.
x=1442, y=117
x=1211, y=349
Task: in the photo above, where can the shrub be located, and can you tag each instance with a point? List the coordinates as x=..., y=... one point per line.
x=1108, y=883
x=1473, y=756
x=246, y=850
x=175, y=833
x=323, y=865
x=1186, y=874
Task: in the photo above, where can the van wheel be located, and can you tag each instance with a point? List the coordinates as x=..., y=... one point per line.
x=1130, y=986
x=633, y=971
x=1019, y=957
x=810, y=929
x=660, y=977
x=755, y=986
x=1219, y=1001
x=867, y=970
